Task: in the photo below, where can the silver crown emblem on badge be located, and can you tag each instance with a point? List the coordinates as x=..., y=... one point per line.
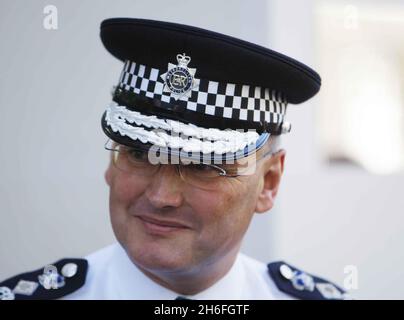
x=183, y=60
x=179, y=80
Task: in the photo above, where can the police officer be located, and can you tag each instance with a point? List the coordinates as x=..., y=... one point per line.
x=193, y=130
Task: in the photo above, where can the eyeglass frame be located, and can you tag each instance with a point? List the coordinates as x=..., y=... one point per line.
x=221, y=171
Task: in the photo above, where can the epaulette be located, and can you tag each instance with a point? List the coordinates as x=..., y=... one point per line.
x=51, y=282
x=302, y=285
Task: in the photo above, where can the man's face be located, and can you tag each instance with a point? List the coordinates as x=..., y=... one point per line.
x=166, y=224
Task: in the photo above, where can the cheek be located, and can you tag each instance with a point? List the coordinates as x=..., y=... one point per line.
x=234, y=199
x=225, y=214
x=125, y=188
x=124, y=191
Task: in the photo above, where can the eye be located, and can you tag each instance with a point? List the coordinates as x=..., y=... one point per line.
x=204, y=170
x=137, y=155
x=202, y=167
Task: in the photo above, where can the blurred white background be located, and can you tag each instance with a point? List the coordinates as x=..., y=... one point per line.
x=336, y=207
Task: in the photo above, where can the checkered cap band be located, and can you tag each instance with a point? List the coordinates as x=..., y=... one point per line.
x=223, y=100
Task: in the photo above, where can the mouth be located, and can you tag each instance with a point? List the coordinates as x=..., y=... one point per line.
x=157, y=226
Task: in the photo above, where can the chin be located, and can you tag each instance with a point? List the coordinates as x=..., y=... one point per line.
x=157, y=258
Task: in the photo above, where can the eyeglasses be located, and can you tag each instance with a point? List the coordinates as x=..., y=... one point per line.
x=202, y=175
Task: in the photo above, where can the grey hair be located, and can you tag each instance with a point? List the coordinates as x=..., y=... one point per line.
x=274, y=143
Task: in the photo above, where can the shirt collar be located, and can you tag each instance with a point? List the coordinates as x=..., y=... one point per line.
x=130, y=283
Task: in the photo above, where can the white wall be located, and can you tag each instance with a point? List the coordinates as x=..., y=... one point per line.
x=330, y=217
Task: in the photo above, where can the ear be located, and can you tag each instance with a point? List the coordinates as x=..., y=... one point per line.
x=271, y=178
x=108, y=175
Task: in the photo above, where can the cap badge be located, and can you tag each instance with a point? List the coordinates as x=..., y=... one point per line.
x=179, y=80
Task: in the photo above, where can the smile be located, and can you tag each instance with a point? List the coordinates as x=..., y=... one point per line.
x=160, y=226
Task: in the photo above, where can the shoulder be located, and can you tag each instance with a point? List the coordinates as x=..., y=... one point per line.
x=281, y=280
x=52, y=281
x=303, y=285
x=258, y=283
x=68, y=277
x=98, y=270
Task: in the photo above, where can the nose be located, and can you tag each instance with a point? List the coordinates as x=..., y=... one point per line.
x=165, y=189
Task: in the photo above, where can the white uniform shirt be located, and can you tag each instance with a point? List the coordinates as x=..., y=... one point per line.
x=112, y=275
